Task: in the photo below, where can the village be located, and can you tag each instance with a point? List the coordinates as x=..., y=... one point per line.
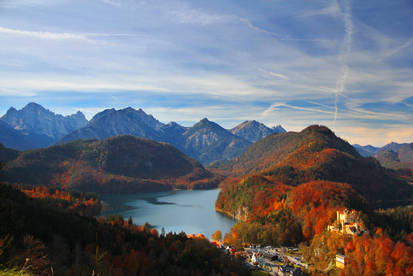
x=287, y=261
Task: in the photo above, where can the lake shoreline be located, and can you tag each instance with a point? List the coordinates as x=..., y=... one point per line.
x=190, y=211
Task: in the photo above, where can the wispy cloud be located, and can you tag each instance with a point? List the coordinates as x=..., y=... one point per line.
x=397, y=49
x=89, y=37
x=185, y=14
x=44, y=35
x=332, y=9
x=348, y=38
x=239, y=58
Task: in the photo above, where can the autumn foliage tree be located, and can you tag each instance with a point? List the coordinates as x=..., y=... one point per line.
x=217, y=235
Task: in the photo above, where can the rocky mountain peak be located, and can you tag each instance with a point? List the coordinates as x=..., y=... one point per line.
x=35, y=119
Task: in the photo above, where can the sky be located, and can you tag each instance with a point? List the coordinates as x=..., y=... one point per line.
x=344, y=64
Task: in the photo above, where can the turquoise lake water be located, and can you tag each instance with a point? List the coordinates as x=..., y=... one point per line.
x=175, y=211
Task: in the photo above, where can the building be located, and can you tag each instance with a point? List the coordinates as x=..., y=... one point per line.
x=340, y=261
x=347, y=222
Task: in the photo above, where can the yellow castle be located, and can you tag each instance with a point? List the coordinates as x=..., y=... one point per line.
x=348, y=222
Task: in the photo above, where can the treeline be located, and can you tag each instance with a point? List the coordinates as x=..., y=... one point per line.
x=87, y=204
x=41, y=240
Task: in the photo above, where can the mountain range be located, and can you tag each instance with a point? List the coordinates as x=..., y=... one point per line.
x=116, y=164
x=36, y=127
x=397, y=157
x=392, y=155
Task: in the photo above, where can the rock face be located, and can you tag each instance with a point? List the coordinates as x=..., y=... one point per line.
x=208, y=142
x=35, y=119
x=254, y=131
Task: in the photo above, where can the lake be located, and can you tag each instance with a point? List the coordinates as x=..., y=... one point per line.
x=175, y=211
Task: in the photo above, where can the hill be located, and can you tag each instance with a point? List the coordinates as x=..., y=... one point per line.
x=207, y=142
x=117, y=164
x=7, y=154
x=254, y=131
x=317, y=154
x=34, y=119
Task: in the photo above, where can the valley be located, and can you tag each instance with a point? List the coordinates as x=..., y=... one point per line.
x=273, y=195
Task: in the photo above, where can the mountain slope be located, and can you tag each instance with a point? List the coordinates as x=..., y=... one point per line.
x=207, y=142
x=117, y=164
x=254, y=131
x=317, y=154
x=396, y=157
x=18, y=140
x=173, y=134
x=111, y=122
x=35, y=119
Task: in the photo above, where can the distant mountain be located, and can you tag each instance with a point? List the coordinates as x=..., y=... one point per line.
x=16, y=139
x=393, y=146
x=392, y=155
x=35, y=119
x=366, y=150
x=278, y=129
x=317, y=154
x=207, y=142
x=111, y=122
x=396, y=156
x=254, y=131
x=118, y=164
x=173, y=134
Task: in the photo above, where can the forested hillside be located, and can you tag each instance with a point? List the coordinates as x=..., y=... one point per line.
x=118, y=164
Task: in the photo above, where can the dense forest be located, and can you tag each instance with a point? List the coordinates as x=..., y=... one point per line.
x=38, y=238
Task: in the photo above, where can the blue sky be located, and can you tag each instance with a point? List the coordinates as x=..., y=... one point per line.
x=345, y=64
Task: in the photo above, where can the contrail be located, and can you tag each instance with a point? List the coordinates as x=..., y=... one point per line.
x=348, y=39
